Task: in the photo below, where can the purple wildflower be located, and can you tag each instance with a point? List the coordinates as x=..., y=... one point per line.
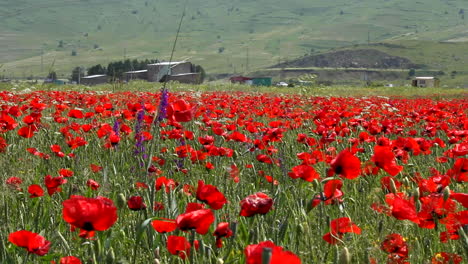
x=139, y=147
x=164, y=101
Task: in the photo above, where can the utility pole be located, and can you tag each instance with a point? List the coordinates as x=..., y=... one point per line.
x=368, y=37
x=247, y=61
x=42, y=60
x=79, y=75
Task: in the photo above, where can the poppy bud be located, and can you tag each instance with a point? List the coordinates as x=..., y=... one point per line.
x=121, y=200
x=406, y=181
x=156, y=253
x=416, y=194
x=300, y=229
x=345, y=257
x=418, y=205
x=315, y=184
x=219, y=261
x=266, y=255
x=110, y=256
x=393, y=187
x=446, y=192
x=156, y=261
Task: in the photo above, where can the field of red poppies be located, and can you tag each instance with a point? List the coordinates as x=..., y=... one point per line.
x=232, y=177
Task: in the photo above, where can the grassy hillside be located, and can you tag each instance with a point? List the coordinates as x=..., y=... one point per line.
x=223, y=36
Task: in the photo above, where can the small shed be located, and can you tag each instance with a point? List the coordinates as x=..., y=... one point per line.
x=93, y=79
x=425, y=82
x=136, y=75
x=261, y=81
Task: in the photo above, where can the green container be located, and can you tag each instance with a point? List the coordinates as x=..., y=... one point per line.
x=261, y=81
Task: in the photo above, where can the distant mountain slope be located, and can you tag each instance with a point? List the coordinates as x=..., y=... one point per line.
x=359, y=58
x=224, y=36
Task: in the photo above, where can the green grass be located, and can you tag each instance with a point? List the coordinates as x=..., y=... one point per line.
x=313, y=90
x=272, y=31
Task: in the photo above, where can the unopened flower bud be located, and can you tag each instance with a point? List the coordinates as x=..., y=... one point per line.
x=121, y=200
x=393, y=187
x=416, y=194
x=110, y=258
x=446, y=193
x=345, y=256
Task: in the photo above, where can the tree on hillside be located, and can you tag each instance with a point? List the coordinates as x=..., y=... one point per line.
x=199, y=68
x=97, y=69
x=77, y=71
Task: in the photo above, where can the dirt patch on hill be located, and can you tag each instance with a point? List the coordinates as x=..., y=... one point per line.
x=361, y=58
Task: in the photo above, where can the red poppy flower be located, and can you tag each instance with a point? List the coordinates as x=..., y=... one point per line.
x=253, y=204
x=32, y=242
x=66, y=172
x=70, y=260
x=169, y=184
x=193, y=207
x=35, y=191
x=459, y=171
x=211, y=195
x=180, y=111
x=14, y=183
x=136, y=203
x=3, y=145
x=304, y=172
x=446, y=258
x=346, y=165
x=94, y=185
x=164, y=225
x=385, y=159
x=395, y=245
x=253, y=254
x=222, y=230
x=402, y=209
x=28, y=131
x=462, y=198
x=95, y=168
x=177, y=245
x=434, y=207
x=158, y=206
x=200, y=220
x=339, y=227
x=89, y=214
x=53, y=184
x=332, y=193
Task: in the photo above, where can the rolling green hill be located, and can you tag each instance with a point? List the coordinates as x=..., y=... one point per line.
x=223, y=36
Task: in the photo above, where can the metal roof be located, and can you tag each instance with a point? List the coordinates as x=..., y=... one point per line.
x=168, y=63
x=425, y=78
x=94, y=76
x=140, y=71
x=183, y=74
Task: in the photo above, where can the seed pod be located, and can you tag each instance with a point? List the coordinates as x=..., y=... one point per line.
x=416, y=194
x=345, y=256
x=110, y=258
x=315, y=184
x=393, y=187
x=156, y=253
x=121, y=200
x=446, y=193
